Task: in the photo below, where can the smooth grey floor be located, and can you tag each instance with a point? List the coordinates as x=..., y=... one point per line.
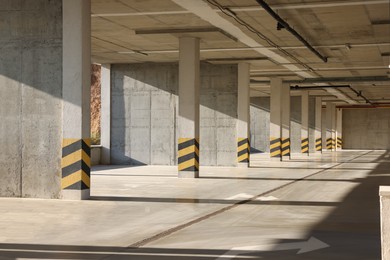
x=323, y=207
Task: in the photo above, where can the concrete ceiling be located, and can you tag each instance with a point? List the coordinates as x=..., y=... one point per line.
x=354, y=36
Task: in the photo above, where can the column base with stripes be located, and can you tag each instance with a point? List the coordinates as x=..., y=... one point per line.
x=76, y=168
x=305, y=145
x=319, y=144
x=188, y=157
x=243, y=151
x=339, y=142
x=286, y=148
x=275, y=147
x=330, y=144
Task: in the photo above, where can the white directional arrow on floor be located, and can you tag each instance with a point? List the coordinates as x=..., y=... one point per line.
x=267, y=198
x=305, y=246
x=240, y=196
x=248, y=196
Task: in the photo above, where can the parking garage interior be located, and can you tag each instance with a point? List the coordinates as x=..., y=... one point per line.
x=229, y=129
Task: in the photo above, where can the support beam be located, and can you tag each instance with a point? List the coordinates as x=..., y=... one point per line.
x=305, y=122
x=243, y=143
x=188, y=121
x=318, y=125
x=275, y=118
x=330, y=126
x=285, y=137
x=75, y=183
x=339, y=129
x=105, y=115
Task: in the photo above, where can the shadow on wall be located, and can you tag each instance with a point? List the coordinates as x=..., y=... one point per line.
x=144, y=105
x=260, y=124
x=30, y=98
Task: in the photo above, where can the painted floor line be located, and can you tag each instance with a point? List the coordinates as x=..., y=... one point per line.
x=172, y=230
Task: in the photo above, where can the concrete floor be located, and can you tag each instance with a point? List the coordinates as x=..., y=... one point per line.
x=326, y=208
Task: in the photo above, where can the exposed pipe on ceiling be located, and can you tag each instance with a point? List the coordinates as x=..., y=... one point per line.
x=376, y=105
x=282, y=24
x=358, y=93
x=329, y=80
x=296, y=87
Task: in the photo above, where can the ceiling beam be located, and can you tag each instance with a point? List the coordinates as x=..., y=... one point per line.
x=251, y=8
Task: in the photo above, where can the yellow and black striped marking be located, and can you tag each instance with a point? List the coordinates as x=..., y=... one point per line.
x=275, y=147
x=76, y=164
x=318, y=144
x=330, y=143
x=285, y=146
x=339, y=142
x=305, y=145
x=188, y=154
x=243, y=150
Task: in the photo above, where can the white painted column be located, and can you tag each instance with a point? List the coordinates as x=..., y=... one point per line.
x=330, y=126
x=318, y=125
x=243, y=122
x=275, y=118
x=339, y=128
x=305, y=122
x=105, y=114
x=285, y=137
x=188, y=120
x=75, y=182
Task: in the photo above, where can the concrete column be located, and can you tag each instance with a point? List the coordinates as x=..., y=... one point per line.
x=105, y=114
x=330, y=126
x=339, y=128
x=275, y=118
x=318, y=125
x=285, y=137
x=188, y=120
x=305, y=122
x=76, y=93
x=384, y=193
x=243, y=144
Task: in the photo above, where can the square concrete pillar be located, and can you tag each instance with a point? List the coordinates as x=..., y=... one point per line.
x=285, y=120
x=330, y=126
x=75, y=183
x=276, y=118
x=105, y=114
x=384, y=193
x=243, y=144
x=305, y=122
x=318, y=125
x=339, y=129
x=188, y=120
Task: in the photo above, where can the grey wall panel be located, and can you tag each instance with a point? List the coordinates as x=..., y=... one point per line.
x=366, y=128
x=144, y=114
x=30, y=98
x=260, y=124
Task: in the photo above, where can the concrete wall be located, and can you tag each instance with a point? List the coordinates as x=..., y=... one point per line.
x=96, y=153
x=144, y=113
x=366, y=128
x=218, y=115
x=30, y=98
x=259, y=124
x=295, y=126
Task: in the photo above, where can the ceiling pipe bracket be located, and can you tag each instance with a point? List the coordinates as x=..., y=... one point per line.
x=282, y=24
